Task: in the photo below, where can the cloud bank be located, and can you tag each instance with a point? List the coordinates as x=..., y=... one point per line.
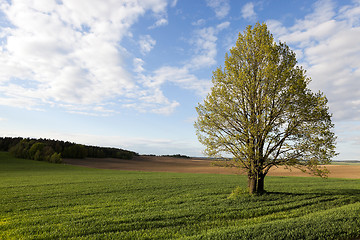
x=69, y=53
x=326, y=44
x=66, y=51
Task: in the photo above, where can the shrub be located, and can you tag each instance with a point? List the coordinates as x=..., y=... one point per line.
x=56, y=158
x=238, y=192
x=35, y=150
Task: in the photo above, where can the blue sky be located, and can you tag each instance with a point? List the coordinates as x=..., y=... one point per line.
x=129, y=74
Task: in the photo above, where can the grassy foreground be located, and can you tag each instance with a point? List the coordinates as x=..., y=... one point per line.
x=40, y=200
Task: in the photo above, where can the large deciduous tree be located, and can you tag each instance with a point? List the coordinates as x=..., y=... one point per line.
x=262, y=113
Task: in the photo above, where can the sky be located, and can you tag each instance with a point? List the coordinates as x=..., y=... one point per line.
x=130, y=73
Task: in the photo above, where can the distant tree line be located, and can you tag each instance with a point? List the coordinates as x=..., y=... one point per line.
x=54, y=150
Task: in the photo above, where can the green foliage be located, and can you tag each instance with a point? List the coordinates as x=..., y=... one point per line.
x=51, y=201
x=39, y=151
x=37, y=156
x=261, y=111
x=238, y=192
x=36, y=149
x=75, y=151
x=55, y=158
x=22, y=148
x=7, y=142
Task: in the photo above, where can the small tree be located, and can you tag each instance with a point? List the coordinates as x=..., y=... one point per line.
x=35, y=150
x=55, y=158
x=38, y=156
x=261, y=111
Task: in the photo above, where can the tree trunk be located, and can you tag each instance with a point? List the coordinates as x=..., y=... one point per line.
x=260, y=184
x=256, y=183
x=252, y=184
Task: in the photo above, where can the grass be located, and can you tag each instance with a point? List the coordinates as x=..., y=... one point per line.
x=40, y=200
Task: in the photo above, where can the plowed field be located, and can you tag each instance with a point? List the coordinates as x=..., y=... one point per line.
x=198, y=165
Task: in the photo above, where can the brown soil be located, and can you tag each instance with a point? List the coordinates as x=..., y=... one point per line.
x=197, y=165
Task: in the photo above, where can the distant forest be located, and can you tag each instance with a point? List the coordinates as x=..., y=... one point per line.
x=54, y=150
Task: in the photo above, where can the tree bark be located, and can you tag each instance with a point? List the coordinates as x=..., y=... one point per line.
x=260, y=184
x=252, y=184
x=256, y=183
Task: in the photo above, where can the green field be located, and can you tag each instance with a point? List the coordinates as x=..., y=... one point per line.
x=40, y=200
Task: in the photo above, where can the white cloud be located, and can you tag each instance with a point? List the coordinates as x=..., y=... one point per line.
x=324, y=10
x=160, y=13
x=205, y=43
x=180, y=77
x=146, y=43
x=153, y=100
x=276, y=27
x=222, y=26
x=351, y=14
x=138, y=65
x=199, y=22
x=205, y=51
x=248, y=12
x=221, y=7
x=162, y=21
x=67, y=53
x=327, y=39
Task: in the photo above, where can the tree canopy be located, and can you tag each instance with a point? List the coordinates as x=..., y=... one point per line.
x=262, y=113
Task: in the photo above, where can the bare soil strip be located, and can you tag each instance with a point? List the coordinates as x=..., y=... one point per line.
x=198, y=165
